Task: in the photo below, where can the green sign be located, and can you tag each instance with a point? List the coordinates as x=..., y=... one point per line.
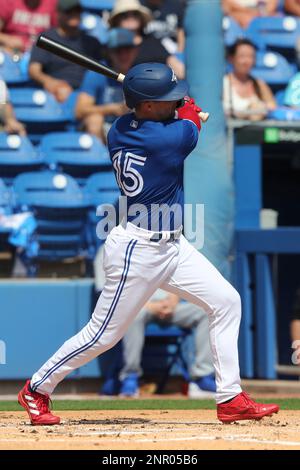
x=271, y=135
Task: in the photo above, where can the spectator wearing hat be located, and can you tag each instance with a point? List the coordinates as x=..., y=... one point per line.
x=101, y=99
x=8, y=121
x=167, y=23
x=53, y=73
x=21, y=21
x=130, y=14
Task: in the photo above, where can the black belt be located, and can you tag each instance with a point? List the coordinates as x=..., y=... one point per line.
x=156, y=237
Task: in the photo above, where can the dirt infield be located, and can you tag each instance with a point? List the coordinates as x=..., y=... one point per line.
x=110, y=430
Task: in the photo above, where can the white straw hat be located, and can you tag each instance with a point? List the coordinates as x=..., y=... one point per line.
x=123, y=6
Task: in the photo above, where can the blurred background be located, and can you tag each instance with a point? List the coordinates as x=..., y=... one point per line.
x=241, y=59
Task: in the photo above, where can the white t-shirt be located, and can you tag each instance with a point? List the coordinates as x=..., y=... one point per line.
x=249, y=3
x=232, y=101
x=3, y=92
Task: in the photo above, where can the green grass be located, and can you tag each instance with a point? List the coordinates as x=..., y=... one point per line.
x=150, y=404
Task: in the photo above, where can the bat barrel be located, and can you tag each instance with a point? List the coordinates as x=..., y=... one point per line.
x=76, y=57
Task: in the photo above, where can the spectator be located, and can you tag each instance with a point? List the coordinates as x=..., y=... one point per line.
x=130, y=14
x=22, y=20
x=101, y=99
x=167, y=23
x=292, y=7
x=244, y=96
x=55, y=74
x=8, y=121
x=244, y=11
x=167, y=310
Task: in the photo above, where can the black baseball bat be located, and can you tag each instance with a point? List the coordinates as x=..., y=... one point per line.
x=73, y=56
x=55, y=47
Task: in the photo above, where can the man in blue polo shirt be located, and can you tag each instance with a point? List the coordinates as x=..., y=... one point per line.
x=101, y=99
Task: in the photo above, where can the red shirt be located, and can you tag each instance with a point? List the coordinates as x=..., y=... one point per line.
x=20, y=20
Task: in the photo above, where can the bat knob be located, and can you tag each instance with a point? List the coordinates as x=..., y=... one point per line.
x=204, y=116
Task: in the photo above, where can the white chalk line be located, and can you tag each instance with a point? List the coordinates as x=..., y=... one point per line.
x=236, y=439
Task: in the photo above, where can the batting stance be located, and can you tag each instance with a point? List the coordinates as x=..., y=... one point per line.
x=148, y=148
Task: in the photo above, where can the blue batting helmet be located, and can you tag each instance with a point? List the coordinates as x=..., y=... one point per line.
x=152, y=82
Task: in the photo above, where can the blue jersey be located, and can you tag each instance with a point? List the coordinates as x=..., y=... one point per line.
x=148, y=158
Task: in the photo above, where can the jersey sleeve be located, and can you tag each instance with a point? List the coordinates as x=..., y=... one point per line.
x=190, y=135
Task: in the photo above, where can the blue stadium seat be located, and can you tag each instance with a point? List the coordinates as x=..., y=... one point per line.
x=99, y=183
x=279, y=96
x=283, y=113
x=75, y=153
x=97, y=5
x=10, y=71
x=40, y=111
x=94, y=26
x=279, y=32
x=232, y=31
x=60, y=211
x=273, y=68
x=17, y=155
x=5, y=208
x=5, y=198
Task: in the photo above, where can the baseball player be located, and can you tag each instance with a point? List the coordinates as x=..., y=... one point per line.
x=148, y=250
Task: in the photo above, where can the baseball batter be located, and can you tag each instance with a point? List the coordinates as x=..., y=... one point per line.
x=148, y=250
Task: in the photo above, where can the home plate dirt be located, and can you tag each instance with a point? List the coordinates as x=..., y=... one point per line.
x=124, y=430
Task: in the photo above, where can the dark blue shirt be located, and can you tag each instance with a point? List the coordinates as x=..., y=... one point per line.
x=60, y=68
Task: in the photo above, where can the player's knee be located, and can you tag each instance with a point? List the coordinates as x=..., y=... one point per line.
x=108, y=341
x=233, y=300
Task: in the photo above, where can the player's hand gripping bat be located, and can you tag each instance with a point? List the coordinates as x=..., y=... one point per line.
x=73, y=56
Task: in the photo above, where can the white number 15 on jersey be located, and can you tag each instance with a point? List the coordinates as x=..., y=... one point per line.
x=125, y=170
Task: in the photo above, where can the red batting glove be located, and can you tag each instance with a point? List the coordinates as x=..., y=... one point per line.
x=191, y=101
x=190, y=111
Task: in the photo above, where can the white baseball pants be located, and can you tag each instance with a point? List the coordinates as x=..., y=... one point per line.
x=135, y=268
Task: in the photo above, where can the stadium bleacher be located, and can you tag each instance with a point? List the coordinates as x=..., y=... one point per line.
x=17, y=155
x=60, y=210
x=75, y=153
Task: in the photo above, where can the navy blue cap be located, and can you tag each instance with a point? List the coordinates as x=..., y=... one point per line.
x=120, y=37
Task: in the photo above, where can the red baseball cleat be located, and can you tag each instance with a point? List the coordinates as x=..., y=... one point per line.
x=242, y=407
x=37, y=407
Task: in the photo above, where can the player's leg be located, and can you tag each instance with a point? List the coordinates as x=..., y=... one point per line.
x=199, y=282
x=132, y=276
